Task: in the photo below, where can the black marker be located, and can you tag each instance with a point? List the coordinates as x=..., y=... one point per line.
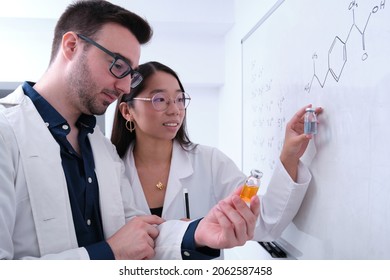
x=187, y=203
x=269, y=249
x=278, y=251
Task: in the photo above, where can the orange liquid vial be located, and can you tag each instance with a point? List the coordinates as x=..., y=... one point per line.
x=251, y=186
x=247, y=192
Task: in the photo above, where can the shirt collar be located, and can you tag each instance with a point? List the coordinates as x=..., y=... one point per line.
x=50, y=115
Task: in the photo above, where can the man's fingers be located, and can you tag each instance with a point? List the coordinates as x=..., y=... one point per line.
x=150, y=222
x=152, y=219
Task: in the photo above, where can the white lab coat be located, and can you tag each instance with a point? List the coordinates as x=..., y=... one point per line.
x=209, y=176
x=35, y=214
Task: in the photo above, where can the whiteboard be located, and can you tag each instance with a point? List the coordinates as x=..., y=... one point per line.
x=334, y=54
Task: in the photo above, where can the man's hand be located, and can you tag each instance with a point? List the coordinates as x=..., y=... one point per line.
x=135, y=240
x=228, y=224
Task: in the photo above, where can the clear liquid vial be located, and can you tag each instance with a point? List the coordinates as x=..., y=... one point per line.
x=252, y=185
x=310, y=121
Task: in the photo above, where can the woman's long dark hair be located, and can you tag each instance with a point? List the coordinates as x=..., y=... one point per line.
x=120, y=136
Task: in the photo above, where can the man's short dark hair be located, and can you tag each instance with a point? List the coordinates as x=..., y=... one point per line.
x=87, y=17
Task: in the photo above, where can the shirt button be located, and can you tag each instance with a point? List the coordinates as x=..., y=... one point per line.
x=89, y=180
x=187, y=254
x=47, y=124
x=65, y=127
x=89, y=222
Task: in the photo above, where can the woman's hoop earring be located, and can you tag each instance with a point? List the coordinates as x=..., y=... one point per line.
x=130, y=126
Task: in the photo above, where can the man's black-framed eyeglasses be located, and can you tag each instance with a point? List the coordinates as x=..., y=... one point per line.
x=119, y=67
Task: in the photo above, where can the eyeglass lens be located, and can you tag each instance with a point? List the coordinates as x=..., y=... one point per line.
x=161, y=101
x=119, y=67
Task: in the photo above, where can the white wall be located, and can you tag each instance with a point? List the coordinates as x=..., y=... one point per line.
x=25, y=48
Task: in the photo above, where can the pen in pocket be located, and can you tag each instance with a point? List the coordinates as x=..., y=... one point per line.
x=187, y=203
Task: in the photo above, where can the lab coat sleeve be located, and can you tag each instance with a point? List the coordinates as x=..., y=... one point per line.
x=281, y=202
x=226, y=175
x=168, y=242
x=71, y=254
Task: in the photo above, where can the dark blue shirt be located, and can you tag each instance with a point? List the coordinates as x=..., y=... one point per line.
x=83, y=188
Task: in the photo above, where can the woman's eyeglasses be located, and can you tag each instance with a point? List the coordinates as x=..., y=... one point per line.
x=161, y=101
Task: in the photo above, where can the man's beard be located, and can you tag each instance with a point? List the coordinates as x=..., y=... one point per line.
x=84, y=91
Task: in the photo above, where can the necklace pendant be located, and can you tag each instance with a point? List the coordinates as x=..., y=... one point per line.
x=160, y=186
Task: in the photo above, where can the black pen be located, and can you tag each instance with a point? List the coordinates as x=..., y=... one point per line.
x=278, y=251
x=187, y=203
x=269, y=249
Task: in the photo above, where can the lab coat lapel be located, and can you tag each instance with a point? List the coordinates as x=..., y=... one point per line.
x=181, y=167
x=46, y=183
x=108, y=173
x=135, y=182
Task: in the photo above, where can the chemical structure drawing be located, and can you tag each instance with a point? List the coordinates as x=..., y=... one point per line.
x=337, y=54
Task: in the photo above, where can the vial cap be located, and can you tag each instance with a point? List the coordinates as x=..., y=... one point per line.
x=256, y=173
x=310, y=109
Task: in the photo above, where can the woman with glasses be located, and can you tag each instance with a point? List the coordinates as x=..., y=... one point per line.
x=175, y=178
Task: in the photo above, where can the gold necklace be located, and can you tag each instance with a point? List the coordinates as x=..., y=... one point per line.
x=160, y=185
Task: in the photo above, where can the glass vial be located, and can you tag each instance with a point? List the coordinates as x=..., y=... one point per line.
x=310, y=126
x=251, y=186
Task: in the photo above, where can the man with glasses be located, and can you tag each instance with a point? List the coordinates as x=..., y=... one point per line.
x=63, y=194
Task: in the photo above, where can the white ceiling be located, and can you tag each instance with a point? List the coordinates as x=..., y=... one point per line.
x=188, y=34
x=190, y=16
